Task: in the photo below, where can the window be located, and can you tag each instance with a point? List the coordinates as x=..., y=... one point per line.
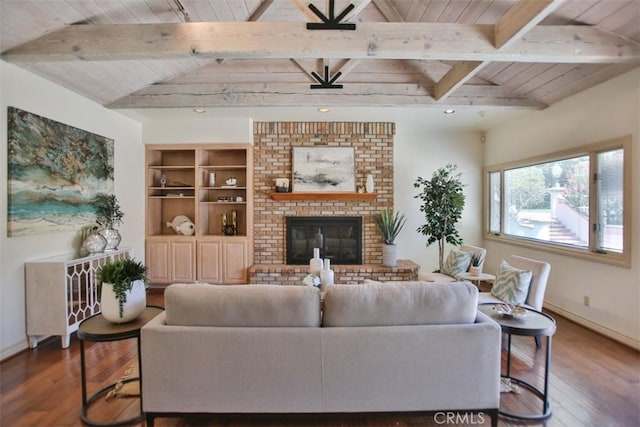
x=572, y=202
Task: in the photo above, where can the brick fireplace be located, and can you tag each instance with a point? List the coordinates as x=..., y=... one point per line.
x=273, y=142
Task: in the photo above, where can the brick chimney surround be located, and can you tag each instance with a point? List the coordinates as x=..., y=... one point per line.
x=272, y=153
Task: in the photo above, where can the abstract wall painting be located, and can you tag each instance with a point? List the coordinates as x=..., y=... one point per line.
x=324, y=169
x=54, y=172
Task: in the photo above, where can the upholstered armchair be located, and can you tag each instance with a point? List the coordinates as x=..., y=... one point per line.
x=442, y=277
x=537, y=287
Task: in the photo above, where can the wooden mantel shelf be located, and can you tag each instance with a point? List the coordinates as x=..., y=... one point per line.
x=315, y=196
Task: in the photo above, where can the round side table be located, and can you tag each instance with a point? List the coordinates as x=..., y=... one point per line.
x=476, y=279
x=534, y=324
x=98, y=329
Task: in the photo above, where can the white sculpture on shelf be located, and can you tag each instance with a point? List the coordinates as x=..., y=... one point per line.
x=181, y=224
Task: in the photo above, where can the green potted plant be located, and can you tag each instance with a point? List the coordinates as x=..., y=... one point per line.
x=108, y=216
x=442, y=205
x=476, y=264
x=389, y=224
x=122, y=288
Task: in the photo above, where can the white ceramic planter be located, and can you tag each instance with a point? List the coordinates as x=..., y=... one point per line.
x=389, y=257
x=133, y=307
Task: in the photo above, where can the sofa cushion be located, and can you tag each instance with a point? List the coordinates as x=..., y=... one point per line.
x=242, y=305
x=511, y=284
x=400, y=304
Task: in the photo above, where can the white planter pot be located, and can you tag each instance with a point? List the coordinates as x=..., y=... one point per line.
x=474, y=271
x=132, y=308
x=389, y=257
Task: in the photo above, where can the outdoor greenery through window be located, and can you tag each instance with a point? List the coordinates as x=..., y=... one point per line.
x=575, y=201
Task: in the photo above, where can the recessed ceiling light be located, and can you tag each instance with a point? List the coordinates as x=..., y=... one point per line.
x=199, y=110
x=324, y=110
x=449, y=111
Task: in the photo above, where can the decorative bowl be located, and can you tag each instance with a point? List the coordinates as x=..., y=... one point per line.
x=511, y=310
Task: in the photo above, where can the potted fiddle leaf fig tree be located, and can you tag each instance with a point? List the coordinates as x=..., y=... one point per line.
x=122, y=288
x=442, y=205
x=389, y=224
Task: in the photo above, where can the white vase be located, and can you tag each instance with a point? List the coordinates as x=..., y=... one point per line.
x=474, y=271
x=94, y=243
x=369, y=186
x=315, y=263
x=113, y=238
x=389, y=255
x=131, y=308
x=327, y=275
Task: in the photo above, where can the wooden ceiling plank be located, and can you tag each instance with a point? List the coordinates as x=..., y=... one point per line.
x=388, y=11
x=456, y=42
x=521, y=18
x=296, y=94
x=260, y=10
x=303, y=7
x=356, y=10
x=458, y=75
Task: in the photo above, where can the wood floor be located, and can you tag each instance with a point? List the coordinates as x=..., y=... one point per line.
x=594, y=382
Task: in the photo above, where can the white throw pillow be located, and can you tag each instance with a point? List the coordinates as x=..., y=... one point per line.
x=457, y=262
x=511, y=284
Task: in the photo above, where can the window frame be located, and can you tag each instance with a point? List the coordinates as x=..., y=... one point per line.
x=622, y=259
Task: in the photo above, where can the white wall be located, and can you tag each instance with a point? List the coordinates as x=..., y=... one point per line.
x=419, y=152
x=609, y=110
x=29, y=92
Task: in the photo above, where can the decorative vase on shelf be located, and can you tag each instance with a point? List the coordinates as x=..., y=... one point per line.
x=94, y=244
x=369, y=186
x=112, y=236
x=327, y=275
x=315, y=263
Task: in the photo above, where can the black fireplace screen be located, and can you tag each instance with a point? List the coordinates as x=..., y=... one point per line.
x=338, y=238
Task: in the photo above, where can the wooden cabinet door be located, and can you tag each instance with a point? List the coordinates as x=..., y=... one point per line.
x=234, y=261
x=158, y=262
x=183, y=254
x=209, y=261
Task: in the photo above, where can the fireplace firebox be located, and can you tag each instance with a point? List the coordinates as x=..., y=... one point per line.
x=338, y=238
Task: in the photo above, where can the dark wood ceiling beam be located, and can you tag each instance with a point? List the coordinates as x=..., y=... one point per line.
x=299, y=94
x=264, y=40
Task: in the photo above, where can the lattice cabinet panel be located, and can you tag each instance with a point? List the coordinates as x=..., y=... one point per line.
x=62, y=292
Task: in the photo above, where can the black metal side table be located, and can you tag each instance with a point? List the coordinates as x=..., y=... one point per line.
x=98, y=329
x=534, y=324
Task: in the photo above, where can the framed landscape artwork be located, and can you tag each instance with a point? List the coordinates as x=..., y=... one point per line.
x=324, y=169
x=54, y=173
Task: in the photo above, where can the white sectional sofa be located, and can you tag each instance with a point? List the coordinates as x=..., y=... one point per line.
x=270, y=349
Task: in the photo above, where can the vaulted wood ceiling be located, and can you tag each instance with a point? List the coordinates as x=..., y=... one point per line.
x=207, y=53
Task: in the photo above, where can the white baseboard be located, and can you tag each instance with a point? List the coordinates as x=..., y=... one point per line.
x=635, y=344
x=13, y=350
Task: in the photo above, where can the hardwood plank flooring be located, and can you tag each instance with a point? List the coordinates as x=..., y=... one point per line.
x=594, y=381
